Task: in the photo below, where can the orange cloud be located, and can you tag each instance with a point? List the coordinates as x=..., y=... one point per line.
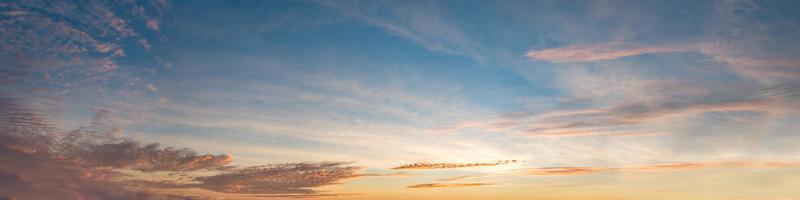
x=718, y=164
x=425, y=165
x=670, y=166
x=460, y=178
x=567, y=170
x=442, y=185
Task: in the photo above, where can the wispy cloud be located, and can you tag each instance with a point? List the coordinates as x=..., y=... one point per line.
x=461, y=178
x=423, y=24
x=427, y=165
x=714, y=164
x=661, y=167
x=771, y=68
x=446, y=185
x=743, y=61
x=547, y=171
x=298, y=196
x=608, y=121
x=601, y=52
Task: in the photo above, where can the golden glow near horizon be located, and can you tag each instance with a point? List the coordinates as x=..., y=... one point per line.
x=363, y=100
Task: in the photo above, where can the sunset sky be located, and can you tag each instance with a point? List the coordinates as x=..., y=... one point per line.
x=244, y=99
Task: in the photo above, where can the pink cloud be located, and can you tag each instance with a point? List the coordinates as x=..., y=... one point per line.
x=599, y=52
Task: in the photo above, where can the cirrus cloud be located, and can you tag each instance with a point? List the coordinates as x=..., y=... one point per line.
x=446, y=185
x=427, y=165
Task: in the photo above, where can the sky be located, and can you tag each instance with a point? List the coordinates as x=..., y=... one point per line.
x=315, y=99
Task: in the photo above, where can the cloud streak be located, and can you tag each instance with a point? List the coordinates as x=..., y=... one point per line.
x=446, y=185
x=600, y=52
x=614, y=120
x=549, y=171
x=744, y=64
x=660, y=167
x=427, y=165
x=460, y=178
x=422, y=24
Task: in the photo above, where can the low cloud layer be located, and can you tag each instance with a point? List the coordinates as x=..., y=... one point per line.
x=41, y=162
x=279, y=178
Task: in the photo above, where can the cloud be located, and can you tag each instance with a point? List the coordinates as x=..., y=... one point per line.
x=151, y=157
x=31, y=171
x=662, y=167
x=423, y=24
x=153, y=24
x=460, y=178
x=152, y=88
x=589, y=132
x=76, y=44
x=426, y=165
x=567, y=170
x=42, y=162
x=293, y=178
x=750, y=52
x=752, y=99
x=446, y=185
x=600, y=52
x=715, y=164
x=615, y=120
x=300, y=196
x=770, y=68
x=144, y=43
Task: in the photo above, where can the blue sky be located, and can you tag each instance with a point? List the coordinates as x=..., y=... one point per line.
x=590, y=86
